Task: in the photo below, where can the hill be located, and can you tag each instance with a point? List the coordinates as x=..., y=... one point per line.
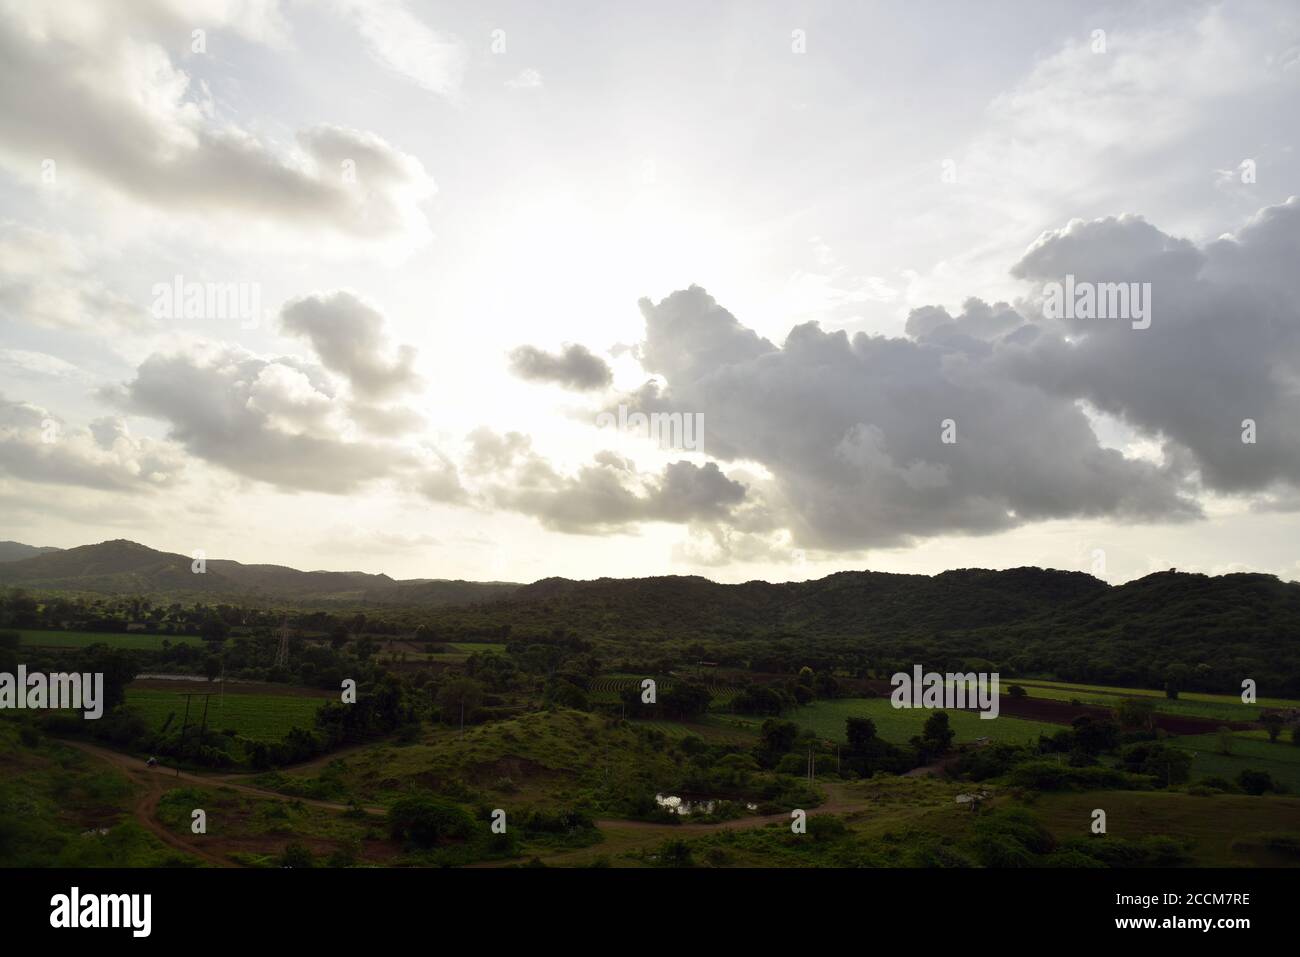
x=17, y=551
x=122, y=567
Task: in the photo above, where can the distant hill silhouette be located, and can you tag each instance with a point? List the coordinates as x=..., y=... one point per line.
x=17, y=551
x=1030, y=620
x=122, y=567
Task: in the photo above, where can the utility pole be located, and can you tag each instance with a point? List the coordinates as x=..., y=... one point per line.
x=184, y=726
x=282, y=652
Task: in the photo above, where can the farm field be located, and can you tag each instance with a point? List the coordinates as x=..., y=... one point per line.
x=713, y=729
x=606, y=689
x=261, y=717
x=1193, y=704
x=1243, y=842
x=134, y=641
x=1280, y=759
x=826, y=719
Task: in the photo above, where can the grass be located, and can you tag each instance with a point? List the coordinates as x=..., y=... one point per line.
x=134, y=641
x=713, y=729
x=551, y=758
x=61, y=808
x=1191, y=703
x=1281, y=760
x=897, y=725
x=262, y=827
x=1224, y=830
x=260, y=717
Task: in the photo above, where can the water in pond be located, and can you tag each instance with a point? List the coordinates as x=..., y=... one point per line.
x=684, y=806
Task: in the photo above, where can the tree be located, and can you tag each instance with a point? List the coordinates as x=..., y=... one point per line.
x=459, y=696
x=564, y=694
x=937, y=735
x=1272, y=722
x=1093, y=737
x=861, y=732
x=1135, y=713
x=825, y=685
x=213, y=629
x=1256, y=782
x=1223, y=739
x=758, y=699
x=685, y=700
x=211, y=667
x=1169, y=766
x=1176, y=676
x=777, y=737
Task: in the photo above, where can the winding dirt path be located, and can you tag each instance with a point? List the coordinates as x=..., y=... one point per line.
x=156, y=781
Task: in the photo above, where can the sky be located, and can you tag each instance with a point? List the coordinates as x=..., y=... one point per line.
x=383, y=286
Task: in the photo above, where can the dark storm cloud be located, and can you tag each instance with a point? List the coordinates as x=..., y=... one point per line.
x=1223, y=346
x=851, y=428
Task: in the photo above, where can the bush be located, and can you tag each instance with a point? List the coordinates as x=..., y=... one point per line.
x=1047, y=775
x=1256, y=782
x=297, y=856
x=823, y=828
x=426, y=821
x=675, y=853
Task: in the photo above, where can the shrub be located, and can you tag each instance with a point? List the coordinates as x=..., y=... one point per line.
x=1256, y=782
x=297, y=856
x=426, y=821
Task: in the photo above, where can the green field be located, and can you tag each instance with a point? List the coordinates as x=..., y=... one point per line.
x=1226, y=830
x=261, y=717
x=477, y=647
x=135, y=641
x=1191, y=703
x=1280, y=759
x=712, y=728
x=897, y=725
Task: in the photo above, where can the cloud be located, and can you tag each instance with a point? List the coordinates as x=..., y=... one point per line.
x=606, y=496
x=114, y=107
x=273, y=420
x=576, y=367
x=528, y=79
x=47, y=279
x=349, y=336
x=851, y=429
x=401, y=42
x=1223, y=346
x=27, y=362
x=36, y=446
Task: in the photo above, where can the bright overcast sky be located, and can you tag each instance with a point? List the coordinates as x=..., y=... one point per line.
x=825, y=228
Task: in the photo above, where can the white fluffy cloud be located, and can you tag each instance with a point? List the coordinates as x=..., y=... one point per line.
x=276, y=420
x=350, y=336
x=102, y=97
x=37, y=446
